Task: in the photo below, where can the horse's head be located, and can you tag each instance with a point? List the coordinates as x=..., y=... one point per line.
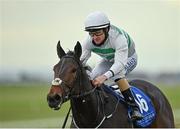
x=65, y=76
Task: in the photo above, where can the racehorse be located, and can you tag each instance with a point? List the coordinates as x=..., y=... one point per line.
x=93, y=107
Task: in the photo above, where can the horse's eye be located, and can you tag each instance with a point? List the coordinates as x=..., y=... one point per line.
x=73, y=70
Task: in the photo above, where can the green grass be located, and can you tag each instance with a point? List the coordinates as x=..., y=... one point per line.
x=23, y=102
x=26, y=103
x=173, y=94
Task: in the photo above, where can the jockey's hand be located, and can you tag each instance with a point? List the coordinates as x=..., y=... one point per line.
x=98, y=81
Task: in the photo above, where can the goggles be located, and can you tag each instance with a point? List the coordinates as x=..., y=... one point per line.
x=96, y=33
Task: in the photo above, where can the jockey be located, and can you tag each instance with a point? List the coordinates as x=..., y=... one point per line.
x=118, y=54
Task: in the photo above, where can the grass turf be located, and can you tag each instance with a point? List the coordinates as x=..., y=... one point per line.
x=21, y=102
x=25, y=102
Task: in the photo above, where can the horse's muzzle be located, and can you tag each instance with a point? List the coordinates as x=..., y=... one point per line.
x=54, y=101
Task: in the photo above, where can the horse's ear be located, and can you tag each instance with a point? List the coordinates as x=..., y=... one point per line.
x=78, y=50
x=60, y=51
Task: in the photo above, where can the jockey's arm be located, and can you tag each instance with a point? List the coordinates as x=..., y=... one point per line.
x=86, y=54
x=120, y=59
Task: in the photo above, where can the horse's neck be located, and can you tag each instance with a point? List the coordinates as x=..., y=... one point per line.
x=85, y=81
x=86, y=107
x=85, y=110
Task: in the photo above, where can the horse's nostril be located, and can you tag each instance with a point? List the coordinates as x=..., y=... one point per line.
x=54, y=100
x=50, y=99
x=57, y=97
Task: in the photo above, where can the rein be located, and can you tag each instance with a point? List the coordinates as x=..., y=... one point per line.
x=103, y=111
x=63, y=84
x=83, y=94
x=65, y=121
x=58, y=81
x=66, y=95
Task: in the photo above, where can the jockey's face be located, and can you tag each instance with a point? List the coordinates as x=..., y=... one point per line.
x=97, y=36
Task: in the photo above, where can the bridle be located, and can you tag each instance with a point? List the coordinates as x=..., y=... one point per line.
x=63, y=84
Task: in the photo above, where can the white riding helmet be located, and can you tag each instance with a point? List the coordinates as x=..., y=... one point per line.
x=96, y=20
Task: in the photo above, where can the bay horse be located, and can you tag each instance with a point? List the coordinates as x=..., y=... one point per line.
x=92, y=107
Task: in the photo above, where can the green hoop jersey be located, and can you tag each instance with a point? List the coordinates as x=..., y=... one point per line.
x=117, y=48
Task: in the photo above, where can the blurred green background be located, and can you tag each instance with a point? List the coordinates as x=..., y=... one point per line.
x=30, y=30
x=25, y=105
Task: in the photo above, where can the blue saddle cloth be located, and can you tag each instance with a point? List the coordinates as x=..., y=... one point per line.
x=144, y=102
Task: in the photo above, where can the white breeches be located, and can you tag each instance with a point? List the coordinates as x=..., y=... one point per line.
x=104, y=66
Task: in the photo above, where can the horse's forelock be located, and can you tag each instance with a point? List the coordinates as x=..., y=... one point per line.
x=70, y=53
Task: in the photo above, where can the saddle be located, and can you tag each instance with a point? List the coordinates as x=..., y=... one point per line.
x=144, y=102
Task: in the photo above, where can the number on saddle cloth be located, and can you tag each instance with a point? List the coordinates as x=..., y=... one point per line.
x=146, y=108
x=144, y=102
